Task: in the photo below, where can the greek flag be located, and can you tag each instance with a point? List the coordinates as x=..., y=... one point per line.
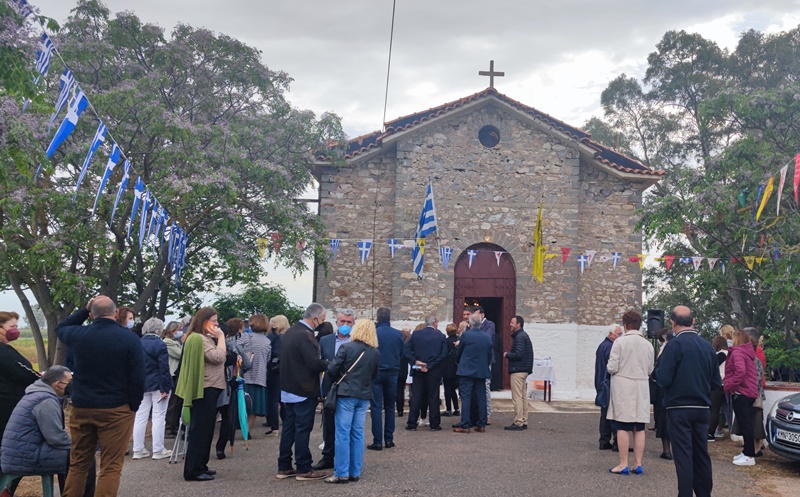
x=427, y=225
x=174, y=235
x=112, y=162
x=471, y=254
x=334, y=244
x=364, y=247
x=99, y=139
x=76, y=108
x=582, y=261
x=445, y=253
x=154, y=209
x=615, y=257
x=23, y=7
x=161, y=232
x=67, y=83
x=46, y=49
x=394, y=244
x=138, y=193
x=123, y=183
x=143, y=217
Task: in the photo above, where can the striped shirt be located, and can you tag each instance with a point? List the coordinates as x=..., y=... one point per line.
x=258, y=346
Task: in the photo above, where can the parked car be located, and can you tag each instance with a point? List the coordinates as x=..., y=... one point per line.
x=783, y=427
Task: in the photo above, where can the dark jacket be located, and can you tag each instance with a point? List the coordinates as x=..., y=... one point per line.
x=427, y=345
x=390, y=346
x=16, y=374
x=601, y=362
x=300, y=362
x=36, y=442
x=520, y=357
x=687, y=371
x=156, y=364
x=358, y=382
x=474, y=354
x=489, y=328
x=327, y=350
x=275, y=357
x=450, y=362
x=109, y=363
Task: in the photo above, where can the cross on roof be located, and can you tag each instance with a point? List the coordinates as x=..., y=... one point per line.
x=491, y=73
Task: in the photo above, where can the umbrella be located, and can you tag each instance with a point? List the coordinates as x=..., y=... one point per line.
x=242, y=407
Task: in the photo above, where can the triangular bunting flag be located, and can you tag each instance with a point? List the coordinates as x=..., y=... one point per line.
x=471, y=254
x=498, y=255
x=277, y=238
x=796, y=177
x=759, y=197
x=445, y=253
x=66, y=83
x=123, y=184
x=696, y=262
x=364, y=247
x=685, y=260
x=112, y=162
x=263, y=244
x=759, y=260
x=780, y=188
x=767, y=192
x=722, y=265
x=99, y=138
x=590, y=257
x=564, y=253
x=138, y=194
x=615, y=257
x=711, y=262
x=642, y=258
x=334, y=245
x=77, y=105
x=143, y=216
x=668, y=259
x=750, y=260
x=582, y=260
x=394, y=244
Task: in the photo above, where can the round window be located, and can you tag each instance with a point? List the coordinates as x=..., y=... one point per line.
x=489, y=136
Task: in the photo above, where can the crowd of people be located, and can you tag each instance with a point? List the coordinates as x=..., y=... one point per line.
x=697, y=389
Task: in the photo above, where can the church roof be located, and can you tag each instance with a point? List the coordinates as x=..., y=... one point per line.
x=602, y=154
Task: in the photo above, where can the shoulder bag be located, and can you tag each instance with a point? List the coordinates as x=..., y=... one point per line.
x=333, y=394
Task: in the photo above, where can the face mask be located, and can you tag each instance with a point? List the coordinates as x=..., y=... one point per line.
x=68, y=389
x=344, y=330
x=273, y=330
x=12, y=334
x=130, y=325
x=178, y=335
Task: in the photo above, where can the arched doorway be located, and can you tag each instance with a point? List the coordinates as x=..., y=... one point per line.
x=491, y=283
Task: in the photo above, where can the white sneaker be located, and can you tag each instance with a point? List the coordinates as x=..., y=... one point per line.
x=424, y=422
x=140, y=454
x=745, y=461
x=162, y=454
x=739, y=456
x=736, y=438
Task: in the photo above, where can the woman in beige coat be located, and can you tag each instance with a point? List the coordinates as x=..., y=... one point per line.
x=630, y=365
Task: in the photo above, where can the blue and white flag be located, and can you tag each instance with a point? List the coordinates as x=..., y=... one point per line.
x=426, y=226
x=112, y=162
x=123, y=184
x=174, y=235
x=364, y=247
x=334, y=244
x=143, y=216
x=154, y=209
x=138, y=193
x=445, y=253
x=67, y=82
x=99, y=139
x=615, y=257
x=23, y=7
x=161, y=232
x=76, y=108
x=685, y=260
x=43, y=55
x=583, y=261
x=471, y=254
x=394, y=244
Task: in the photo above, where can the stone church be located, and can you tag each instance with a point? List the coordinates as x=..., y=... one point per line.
x=491, y=160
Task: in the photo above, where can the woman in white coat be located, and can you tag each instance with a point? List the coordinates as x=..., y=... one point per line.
x=630, y=365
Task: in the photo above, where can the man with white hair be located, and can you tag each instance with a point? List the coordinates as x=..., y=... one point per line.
x=600, y=364
x=425, y=351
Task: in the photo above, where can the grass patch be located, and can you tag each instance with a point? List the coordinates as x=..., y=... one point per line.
x=26, y=346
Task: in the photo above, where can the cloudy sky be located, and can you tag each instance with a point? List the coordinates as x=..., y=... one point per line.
x=557, y=56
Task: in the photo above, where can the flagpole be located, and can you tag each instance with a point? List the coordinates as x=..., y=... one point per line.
x=375, y=255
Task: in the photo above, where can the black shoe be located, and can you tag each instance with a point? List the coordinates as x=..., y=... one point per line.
x=220, y=454
x=456, y=413
x=389, y=445
x=203, y=477
x=323, y=464
x=400, y=414
x=210, y=472
x=447, y=414
x=411, y=428
x=374, y=447
x=354, y=478
x=759, y=453
x=269, y=432
x=666, y=455
x=436, y=428
x=524, y=427
x=513, y=428
x=606, y=446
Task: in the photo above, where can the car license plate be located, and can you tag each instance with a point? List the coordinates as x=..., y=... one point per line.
x=788, y=436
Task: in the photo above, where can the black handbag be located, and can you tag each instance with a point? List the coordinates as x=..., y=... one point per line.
x=330, y=400
x=604, y=394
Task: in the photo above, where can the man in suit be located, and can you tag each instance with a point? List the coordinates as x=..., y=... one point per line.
x=384, y=386
x=489, y=329
x=600, y=373
x=329, y=346
x=108, y=388
x=425, y=351
x=474, y=354
x=300, y=367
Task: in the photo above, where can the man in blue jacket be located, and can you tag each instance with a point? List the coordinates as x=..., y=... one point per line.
x=425, y=351
x=520, y=365
x=600, y=373
x=108, y=388
x=474, y=355
x=384, y=386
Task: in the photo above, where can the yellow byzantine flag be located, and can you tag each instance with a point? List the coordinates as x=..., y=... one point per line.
x=765, y=198
x=539, y=249
x=262, y=246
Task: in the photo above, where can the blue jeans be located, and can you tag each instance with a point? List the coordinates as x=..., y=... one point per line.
x=384, y=390
x=296, y=431
x=350, y=416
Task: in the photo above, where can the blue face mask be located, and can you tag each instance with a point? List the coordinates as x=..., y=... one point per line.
x=178, y=335
x=130, y=325
x=344, y=329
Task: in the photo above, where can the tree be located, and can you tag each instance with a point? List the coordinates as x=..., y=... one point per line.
x=257, y=299
x=207, y=126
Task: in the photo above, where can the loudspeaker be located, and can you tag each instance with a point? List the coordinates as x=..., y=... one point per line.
x=655, y=321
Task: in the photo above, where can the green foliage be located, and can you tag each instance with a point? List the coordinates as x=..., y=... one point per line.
x=779, y=356
x=257, y=299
